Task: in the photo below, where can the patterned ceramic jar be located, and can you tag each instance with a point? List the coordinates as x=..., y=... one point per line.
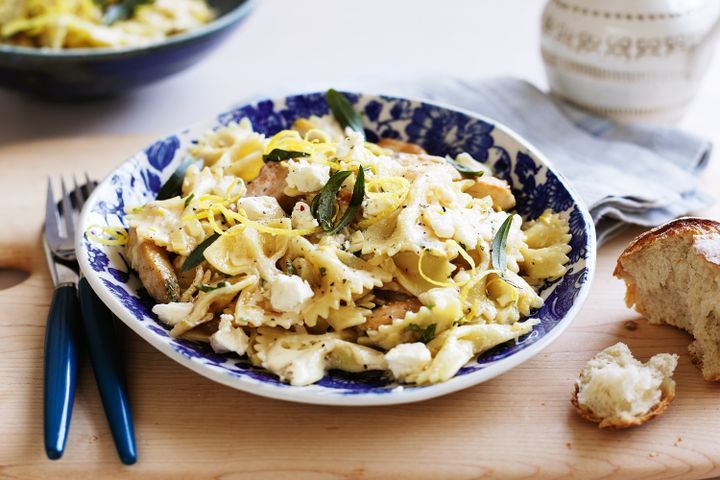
x=639, y=60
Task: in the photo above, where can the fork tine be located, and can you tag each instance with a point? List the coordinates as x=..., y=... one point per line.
x=52, y=219
x=78, y=194
x=90, y=185
x=67, y=211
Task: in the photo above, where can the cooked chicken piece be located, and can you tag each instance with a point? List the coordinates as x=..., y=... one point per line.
x=400, y=146
x=271, y=183
x=154, y=267
x=385, y=314
x=497, y=189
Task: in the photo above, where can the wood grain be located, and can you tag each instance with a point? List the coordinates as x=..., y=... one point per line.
x=519, y=425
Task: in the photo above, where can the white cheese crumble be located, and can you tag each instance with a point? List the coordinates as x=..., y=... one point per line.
x=172, y=313
x=441, y=297
x=229, y=338
x=466, y=225
x=407, y=359
x=301, y=217
x=352, y=147
x=307, y=177
x=299, y=367
x=261, y=207
x=289, y=293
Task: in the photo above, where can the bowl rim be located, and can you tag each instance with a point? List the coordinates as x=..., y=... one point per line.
x=100, y=53
x=308, y=395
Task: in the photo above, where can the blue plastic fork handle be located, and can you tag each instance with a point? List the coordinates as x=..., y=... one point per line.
x=61, y=366
x=107, y=364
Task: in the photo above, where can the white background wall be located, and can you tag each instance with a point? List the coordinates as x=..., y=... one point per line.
x=297, y=45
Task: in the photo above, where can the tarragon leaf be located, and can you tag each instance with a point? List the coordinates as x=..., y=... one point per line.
x=464, y=170
x=196, y=256
x=278, y=155
x=173, y=186
x=355, y=202
x=343, y=111
x=322, y=205
x=121, y=10
x=498, y=256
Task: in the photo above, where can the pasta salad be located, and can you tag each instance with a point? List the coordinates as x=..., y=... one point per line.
x=63, y=24
x=314, y=249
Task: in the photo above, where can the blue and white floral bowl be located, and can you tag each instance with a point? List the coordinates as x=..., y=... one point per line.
x=440, y=130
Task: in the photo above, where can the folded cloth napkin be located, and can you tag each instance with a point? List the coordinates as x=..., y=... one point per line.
x=626, y=174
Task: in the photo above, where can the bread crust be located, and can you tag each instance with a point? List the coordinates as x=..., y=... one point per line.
x=697, y=361
x=682, y=226
x=667, y=396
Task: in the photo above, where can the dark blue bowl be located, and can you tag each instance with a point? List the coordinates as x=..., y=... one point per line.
x=98, y=72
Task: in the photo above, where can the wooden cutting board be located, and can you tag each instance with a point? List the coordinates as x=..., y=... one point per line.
x=516, y=426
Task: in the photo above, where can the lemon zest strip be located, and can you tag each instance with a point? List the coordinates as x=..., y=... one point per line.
x=113, y=236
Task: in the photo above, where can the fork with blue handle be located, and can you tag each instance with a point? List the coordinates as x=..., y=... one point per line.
x=75, y=303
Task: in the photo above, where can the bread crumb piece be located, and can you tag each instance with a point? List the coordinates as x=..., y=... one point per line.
x=653, y=454
x=631, y=325
x=678, y=441
x=568, y=445
x=616, y=390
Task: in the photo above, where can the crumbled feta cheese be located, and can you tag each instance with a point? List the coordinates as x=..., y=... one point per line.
x=407, y=359
x=297, y=366
x=302, y=218
x=261, y=207
x=173, y=312
x=229, y=338
x=384, y=166
x=441, y=297
x=352, y=147
x=466, y=225
x=289, y=293
x=307, y=177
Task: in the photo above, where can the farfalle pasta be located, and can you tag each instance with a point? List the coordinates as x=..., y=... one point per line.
x=314, y=249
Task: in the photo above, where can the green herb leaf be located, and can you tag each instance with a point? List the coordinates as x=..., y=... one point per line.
x=343, y=111
x=355, y=202
x=498, y=255
x=289, y=268
x=429, y=333
x=278, y=155
x=322, y=205
x=209, y=288
x=173, y=186
x=196, y=256
x=121, y=10
x=465, y=171
x=189, y=199
x=323, y=271
x=424, y=334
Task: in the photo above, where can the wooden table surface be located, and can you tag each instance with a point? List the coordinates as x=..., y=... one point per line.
x=518, y=425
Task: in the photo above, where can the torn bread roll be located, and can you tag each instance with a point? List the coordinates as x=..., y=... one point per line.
x=672, y=275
